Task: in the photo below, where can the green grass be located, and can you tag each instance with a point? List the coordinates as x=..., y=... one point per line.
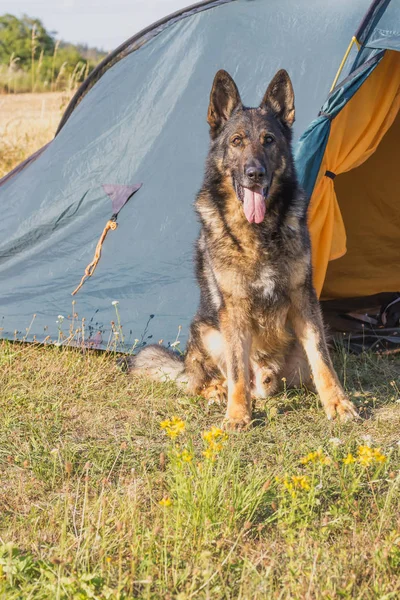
x=84, y=464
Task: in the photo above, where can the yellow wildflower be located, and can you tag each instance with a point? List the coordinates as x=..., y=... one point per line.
x=185, y=456
x=294, y=483
x=215, y=433
x=367, y=450
x=173, y=427
x=209, y=454
x=289, y=487
x=300, y=482
x=365, y=461
x=215, y=446
x=379, y=457
x=165, y=501
x=317, y=457
x=367, y=456
x=349, y=459
x=215, y=439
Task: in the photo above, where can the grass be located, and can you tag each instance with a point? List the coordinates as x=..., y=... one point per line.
x=27, y=122
x=18, y=81
x=97, y=500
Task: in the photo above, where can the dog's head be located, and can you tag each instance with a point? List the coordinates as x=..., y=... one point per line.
x=252, y=144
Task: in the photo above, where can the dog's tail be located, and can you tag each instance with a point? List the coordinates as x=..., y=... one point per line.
x=157, y=363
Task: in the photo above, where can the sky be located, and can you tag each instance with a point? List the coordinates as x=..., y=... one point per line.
x=101, y=23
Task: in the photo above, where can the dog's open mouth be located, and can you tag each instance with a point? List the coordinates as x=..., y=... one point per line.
x=253, y=200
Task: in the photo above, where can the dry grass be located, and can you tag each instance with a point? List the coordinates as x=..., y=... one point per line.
x=27, y=122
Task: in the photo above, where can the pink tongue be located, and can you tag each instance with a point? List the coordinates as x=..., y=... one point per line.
x=254, y=206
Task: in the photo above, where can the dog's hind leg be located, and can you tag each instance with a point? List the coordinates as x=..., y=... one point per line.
x=204, y=362
x=295, y=372
x=213, y=342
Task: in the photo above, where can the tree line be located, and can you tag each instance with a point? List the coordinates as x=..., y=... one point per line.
x=33, y=60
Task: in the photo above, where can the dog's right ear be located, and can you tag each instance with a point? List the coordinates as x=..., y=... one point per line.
x=224, y=98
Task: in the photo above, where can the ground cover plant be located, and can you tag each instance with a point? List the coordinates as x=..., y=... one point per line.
x=112, y=487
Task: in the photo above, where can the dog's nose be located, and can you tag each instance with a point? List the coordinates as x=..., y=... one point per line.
x=255, y=172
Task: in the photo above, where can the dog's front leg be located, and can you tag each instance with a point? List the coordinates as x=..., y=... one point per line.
x=305, y=316
x=237, y=344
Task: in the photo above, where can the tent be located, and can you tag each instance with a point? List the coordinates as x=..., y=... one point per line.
x=130, y=150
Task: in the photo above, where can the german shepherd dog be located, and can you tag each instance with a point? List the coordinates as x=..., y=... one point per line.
x=253, y=265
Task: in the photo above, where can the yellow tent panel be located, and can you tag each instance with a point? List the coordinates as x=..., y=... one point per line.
x=349, y=207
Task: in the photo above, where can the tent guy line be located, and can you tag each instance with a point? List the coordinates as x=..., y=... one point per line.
x=119, y=195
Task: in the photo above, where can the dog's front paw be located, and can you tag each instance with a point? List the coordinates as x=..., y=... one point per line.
x=346, y=410
x=340, y=406
x=237, y=420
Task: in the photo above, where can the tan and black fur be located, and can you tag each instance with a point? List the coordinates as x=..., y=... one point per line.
x=257, y=301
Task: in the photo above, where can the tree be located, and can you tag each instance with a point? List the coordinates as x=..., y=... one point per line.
x=35, y=61
x=24, y=38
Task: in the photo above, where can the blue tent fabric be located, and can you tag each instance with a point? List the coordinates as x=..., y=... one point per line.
x=380, y=30
x=382, y=26
x=311, y=146
x=144, y=120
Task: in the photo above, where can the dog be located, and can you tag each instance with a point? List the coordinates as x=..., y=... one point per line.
x=258, y=308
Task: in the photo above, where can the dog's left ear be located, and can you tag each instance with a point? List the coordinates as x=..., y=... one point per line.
x=224, y=98
x=279, y=97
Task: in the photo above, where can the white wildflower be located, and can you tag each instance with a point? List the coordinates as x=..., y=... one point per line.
x=335, y=441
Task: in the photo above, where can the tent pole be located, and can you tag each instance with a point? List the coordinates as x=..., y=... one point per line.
x=353, y=41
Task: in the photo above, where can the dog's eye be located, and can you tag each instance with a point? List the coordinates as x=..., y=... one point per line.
x=268, y=140
x=236, y=141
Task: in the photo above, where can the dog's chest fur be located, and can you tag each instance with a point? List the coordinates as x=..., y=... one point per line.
x=255, y=264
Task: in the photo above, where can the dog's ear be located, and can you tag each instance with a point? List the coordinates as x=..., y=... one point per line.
x=279, y=97
x=224, y=98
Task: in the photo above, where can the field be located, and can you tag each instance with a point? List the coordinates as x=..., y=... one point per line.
x=98, y=500
x=116, y=488
x=27, y=122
